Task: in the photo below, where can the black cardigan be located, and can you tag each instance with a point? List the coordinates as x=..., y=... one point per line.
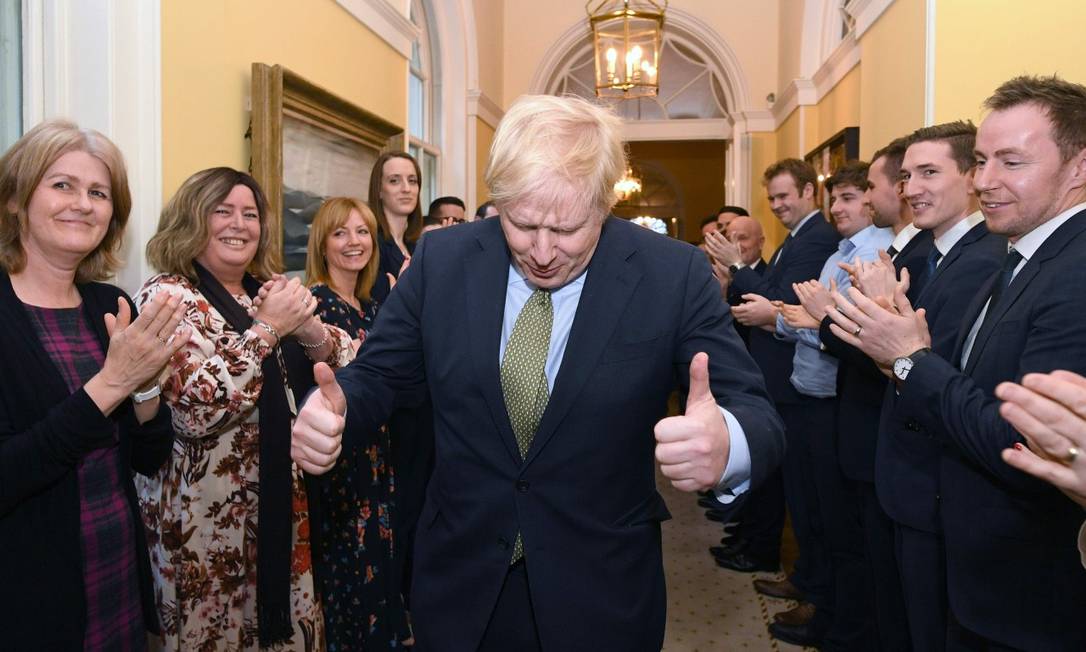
x=44, y=431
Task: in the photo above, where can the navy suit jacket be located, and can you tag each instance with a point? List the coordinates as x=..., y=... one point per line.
x=907, y=460
x=860, y=384
x=1013, y=573
x=584, y=497
x=734, y=299
x=801, y=260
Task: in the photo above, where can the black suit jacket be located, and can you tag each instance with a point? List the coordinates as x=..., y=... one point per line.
x=907, y=462
x=584, y=498
x=734, y=299
x=803, y=255
x=860, y=384
x=1013, y=573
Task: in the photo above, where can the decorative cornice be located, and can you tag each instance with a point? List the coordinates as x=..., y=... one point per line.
x=385, y=21
x=841, y=61
x=693, y=129
x=806, y=92
x=866, y=12
x=760, y=120
x=486, y=109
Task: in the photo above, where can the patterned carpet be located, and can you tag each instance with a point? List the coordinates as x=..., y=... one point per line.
x=710, y=609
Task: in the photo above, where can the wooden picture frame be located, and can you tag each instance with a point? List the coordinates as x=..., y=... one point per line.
x=828, y=156
x=284, y=103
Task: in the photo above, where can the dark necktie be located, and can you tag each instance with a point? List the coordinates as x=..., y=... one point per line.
x=524, y=376
x=780, y=250
x=933, y=261
x=892, y=251
x=1006, y=275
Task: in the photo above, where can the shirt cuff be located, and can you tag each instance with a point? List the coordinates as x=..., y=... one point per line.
x=736, y=478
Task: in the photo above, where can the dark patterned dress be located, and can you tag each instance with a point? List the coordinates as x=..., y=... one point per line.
x=107, y=527
x=359, y=585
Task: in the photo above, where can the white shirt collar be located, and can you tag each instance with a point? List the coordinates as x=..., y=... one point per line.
x=946, y=242
x=1028, y=244
x=796, y=228
x=905, y=236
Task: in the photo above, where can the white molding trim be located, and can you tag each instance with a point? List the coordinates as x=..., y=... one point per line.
x=760, y=120
x=384, y=20
x=486, y=109
x=805, y=92
x=99, y=63
x=867, y=12
x=33, y=35
x=453, y=22
x=841, y=61
x=714, y=129
x=929, y=62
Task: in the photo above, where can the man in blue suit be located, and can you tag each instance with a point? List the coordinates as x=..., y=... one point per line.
x=1013, y=574
x=550, y=340
x=790, y=185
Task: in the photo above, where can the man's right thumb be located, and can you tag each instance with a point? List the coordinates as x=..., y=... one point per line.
x=330, y=389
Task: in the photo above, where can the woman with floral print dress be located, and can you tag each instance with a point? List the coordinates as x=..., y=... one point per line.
x=229, y=516
x=360, y=587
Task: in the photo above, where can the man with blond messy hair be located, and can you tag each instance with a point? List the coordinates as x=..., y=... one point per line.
x=550, y=339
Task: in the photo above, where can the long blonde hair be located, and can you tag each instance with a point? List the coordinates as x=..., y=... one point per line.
x=333, y=214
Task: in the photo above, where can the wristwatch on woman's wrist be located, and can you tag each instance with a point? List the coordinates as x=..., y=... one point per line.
x=142, y=397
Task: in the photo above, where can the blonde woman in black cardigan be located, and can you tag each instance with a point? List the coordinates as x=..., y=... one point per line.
x=79, y=411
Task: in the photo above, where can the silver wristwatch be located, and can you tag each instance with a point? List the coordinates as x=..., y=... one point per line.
x=902, y=366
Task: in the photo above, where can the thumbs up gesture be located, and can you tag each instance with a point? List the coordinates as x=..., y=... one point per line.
x=317, y=437
x=692, y=448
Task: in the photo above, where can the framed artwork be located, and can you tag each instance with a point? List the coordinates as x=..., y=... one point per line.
x=830, y=155
x=307, y=145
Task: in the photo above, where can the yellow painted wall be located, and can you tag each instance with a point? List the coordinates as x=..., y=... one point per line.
x=489, y=21
x=787, y=140
x=208, y=47
x=976, y=49
x=484, y=136
x=790, y=30
x=763, y=153
x=840, y=108
x=892, y=90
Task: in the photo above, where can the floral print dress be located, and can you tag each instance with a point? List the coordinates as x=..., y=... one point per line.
x=360, y=585
x=201, y=509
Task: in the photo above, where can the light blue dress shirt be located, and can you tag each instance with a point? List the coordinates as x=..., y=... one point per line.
x=814, y=373
x=736, y=478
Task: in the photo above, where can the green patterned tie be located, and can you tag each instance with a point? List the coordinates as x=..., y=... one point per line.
x=524, y=376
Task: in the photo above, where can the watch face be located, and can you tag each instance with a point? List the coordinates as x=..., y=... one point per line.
x=902, y=367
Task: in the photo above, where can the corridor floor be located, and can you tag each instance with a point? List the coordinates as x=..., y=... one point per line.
x=710, y=609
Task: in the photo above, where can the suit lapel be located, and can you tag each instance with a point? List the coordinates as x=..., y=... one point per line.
x=607, y=290
x=488, y=272
x=1051, y=247
x=971, y=236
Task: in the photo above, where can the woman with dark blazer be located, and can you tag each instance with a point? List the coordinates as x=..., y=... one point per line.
x=394, y=199
x=79, y=408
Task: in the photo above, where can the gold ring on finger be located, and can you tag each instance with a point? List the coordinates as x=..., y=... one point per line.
x=859, y=329
x=1071, y=455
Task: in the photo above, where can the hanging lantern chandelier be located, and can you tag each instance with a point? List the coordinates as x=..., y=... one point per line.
x=626, y=40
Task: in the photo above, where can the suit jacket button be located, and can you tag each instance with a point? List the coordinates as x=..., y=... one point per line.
x=912, y=425
x=502, y=543
x=522, y=486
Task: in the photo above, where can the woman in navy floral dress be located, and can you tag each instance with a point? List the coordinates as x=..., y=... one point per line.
x=363, y=608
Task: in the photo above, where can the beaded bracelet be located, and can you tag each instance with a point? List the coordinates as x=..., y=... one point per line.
x=318, y=345
x=268, y=328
